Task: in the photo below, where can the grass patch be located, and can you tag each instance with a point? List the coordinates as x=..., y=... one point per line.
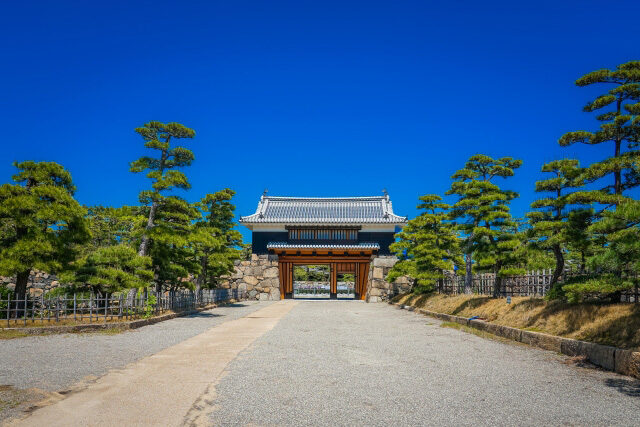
x=8, y=335
x=604, y=323
x=16, y=399
x=476, y=332
x=109, y=331
x=453, y=325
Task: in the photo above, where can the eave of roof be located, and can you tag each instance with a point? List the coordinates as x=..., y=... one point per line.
x=285, y=245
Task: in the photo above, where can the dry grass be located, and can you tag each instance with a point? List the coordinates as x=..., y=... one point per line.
x=610, y=324
x=8, y=335
x=474, y=331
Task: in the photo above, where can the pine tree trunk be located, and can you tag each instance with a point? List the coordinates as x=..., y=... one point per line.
x=617, y=173
x=198, y=288
x=131, y=296
x=22, y=279
x=497, y=286
x=468, y=274
x=557, y=251
x=144, y=244
x=497, y=283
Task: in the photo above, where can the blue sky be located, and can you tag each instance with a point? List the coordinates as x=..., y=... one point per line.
x=304, y=98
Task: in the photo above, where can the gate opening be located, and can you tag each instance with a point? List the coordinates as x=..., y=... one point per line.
x=346, y=286
x=312, y=281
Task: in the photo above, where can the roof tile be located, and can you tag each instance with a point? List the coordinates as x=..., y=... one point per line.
x=331, y=210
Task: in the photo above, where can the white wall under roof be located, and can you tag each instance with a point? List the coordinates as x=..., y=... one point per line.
x=365, y=227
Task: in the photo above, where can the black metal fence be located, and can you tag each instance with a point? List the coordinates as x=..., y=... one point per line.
x=82, y=308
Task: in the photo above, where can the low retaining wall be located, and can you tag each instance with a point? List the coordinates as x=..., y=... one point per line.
x=615, y=359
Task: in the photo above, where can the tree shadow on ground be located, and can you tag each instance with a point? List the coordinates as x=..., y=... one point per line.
x=420, y=299
x=471, y=304
x=628, y=387
x=204, y=314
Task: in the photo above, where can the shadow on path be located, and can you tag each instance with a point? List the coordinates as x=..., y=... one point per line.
x=628, y=387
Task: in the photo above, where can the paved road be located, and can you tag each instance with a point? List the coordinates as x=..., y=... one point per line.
x=350, y=363
x=56, y=362
x=172, y=387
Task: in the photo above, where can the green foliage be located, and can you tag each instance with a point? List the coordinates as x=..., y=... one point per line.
x=42, y=222
x=4, y=295
x=604, y=285
x=216, y=243
x=172, y=253
x=619, y=126
x=161, y=170
x=111, y=269
x=607, y=241
x=549, y=230
x=311, y=273
x=481, y=213
x=620, y=229
x=111, y=226
x=150, y=306
x=245, y=252
x=426, y=246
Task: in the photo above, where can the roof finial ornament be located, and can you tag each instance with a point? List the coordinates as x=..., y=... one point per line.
x=264, y=194
x=384, y=192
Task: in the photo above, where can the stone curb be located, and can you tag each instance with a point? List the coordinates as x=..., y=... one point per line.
x=615, y=359
x=124, y=326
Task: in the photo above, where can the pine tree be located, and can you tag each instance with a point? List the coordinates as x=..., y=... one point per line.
x=171, y=250
x=216, y=242
x=111, y=269
x=620, y=127
x=549, y=223
x=111, y=226
x=45, y=223
x=426, y=246
x=618, y=261
x=581, y=242
x=162, y=170
x=482, y=215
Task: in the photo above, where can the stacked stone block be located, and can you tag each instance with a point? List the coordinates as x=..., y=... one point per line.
x=258, y=277
x=378, y=289
x=39, y=283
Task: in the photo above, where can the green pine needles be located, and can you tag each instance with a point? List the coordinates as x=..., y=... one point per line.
x=427, y=246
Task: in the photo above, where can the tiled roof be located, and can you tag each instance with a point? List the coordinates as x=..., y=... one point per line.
x=285, y=245
x=330, y=210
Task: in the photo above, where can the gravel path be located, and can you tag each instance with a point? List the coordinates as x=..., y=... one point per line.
x=350, y=363
x=55, y=362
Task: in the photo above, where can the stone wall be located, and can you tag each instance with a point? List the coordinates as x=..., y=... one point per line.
x=39, y=283
x=258, y=276
x=378, y=289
